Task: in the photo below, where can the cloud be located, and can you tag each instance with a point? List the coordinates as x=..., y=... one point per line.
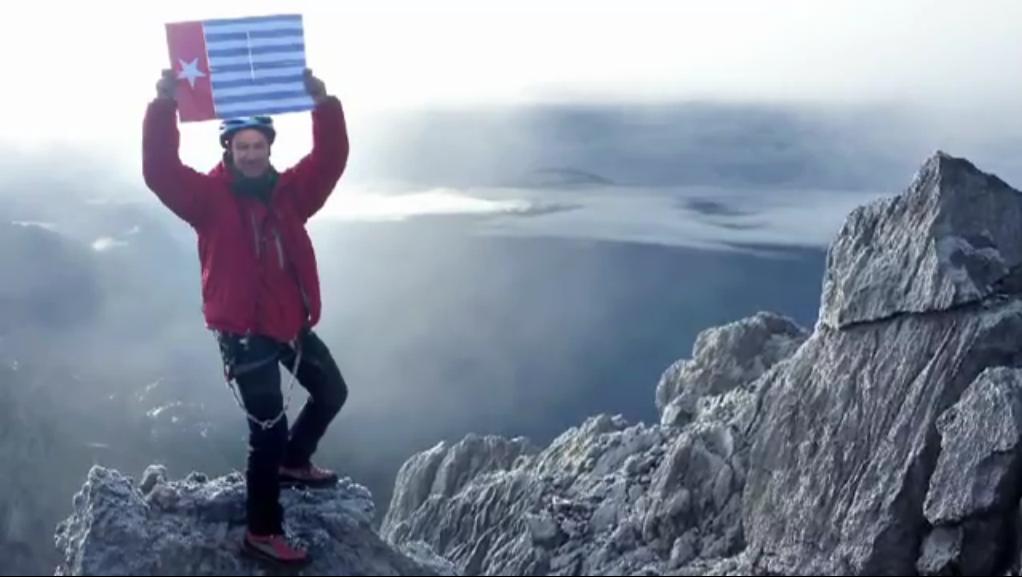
x=49, y=226
x=107, y=243
x=681, y=144
x=370, y=207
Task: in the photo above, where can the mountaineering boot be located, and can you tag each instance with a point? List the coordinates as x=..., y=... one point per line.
x=309, y=476
x=274, y=549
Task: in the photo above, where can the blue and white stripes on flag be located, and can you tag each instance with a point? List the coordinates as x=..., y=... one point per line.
x=254, y=65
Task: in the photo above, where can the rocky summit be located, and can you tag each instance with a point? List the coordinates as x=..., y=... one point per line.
x=885, y=440
x=194, y=526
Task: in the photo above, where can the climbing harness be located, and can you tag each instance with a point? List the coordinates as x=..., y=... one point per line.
x=231, y=373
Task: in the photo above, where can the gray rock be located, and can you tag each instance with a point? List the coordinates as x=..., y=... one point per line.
x=979, y=449
x=949, y=240
x=442, y=471
x=723, y=359
x=414, y=484
x=847, y=437
x=693, y=490
x=154, y=475
x=606, y=498
x=684, y=550
x=743, y=564
x=544, y=530
x=116, y=530
x=942, y=552
x=473, y=456
x=424, y=555
x=847, y=442
x=887, y=442
x=535, y=517
x=977, y=477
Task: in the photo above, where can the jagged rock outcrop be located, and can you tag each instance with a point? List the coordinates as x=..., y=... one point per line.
x=952, y=239
x=847, y=440
x=975, y=482
x=724, y=358
x=885, y=442
x=195, y=526
x=607, y=497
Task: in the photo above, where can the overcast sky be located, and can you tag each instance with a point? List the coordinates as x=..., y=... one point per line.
x=81, y=73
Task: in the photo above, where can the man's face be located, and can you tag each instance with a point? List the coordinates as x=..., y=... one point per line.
x=251, y=152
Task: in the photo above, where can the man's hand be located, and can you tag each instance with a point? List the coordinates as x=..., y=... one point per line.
x=315, y=87
x=167, y=86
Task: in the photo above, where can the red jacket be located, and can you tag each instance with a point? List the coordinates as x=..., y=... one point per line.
x=259, y=272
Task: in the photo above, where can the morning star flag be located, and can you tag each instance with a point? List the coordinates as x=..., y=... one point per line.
x=239, y=67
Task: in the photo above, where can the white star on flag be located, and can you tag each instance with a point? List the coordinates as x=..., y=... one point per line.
x=190, y=71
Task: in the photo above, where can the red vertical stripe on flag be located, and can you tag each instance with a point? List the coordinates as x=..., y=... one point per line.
x=188, y=58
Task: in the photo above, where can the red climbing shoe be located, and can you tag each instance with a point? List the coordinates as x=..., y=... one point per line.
x=275, y=549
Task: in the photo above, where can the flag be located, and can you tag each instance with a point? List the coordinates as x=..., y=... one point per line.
x=239, y=67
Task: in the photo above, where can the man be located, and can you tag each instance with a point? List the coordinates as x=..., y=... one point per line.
x=260, y=287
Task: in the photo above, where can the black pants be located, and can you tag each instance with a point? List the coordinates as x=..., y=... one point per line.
x=254, y=362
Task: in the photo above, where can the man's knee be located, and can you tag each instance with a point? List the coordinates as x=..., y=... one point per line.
x=335, y=394
x=327, y=385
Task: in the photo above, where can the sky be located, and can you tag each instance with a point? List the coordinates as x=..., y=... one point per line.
x=82, y=72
